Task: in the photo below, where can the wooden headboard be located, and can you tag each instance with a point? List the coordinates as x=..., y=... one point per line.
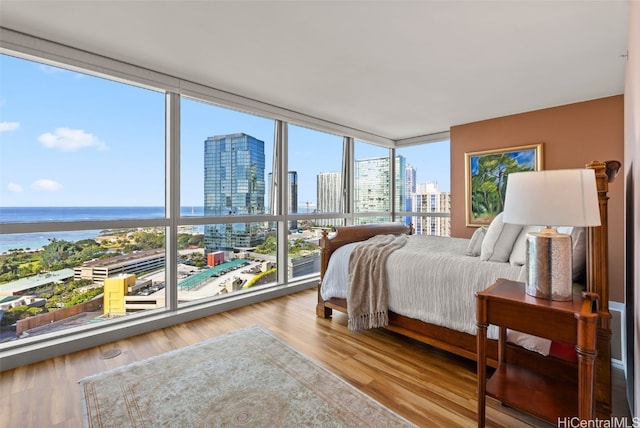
x=347, y=234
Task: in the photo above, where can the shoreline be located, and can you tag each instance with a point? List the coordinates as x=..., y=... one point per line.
x=29, y=243
x=34, y=242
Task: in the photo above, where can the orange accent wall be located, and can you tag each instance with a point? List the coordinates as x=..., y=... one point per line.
x=572, y=136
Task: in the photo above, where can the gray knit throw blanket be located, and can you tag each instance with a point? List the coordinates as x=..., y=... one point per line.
x=367, y=296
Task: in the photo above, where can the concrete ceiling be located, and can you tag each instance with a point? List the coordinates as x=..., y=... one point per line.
x=396, y=69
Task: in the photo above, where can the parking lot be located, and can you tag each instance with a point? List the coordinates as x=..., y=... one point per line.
x=212, y=287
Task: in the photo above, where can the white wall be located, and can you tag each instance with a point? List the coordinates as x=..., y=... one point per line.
x=632, y=186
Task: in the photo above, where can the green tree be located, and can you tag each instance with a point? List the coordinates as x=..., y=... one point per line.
x=489, y=183
x=269, y=246
x=19, y=312
x=298, y=245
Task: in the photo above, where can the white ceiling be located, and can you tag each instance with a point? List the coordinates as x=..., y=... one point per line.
x=395, y=69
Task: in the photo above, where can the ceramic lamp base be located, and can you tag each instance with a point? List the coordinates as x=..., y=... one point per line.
x=549, y=266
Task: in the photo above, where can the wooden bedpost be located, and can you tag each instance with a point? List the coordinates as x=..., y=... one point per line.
x=598, y=282
x=321, y=310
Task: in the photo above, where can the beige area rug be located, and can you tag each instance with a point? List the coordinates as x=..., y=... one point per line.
x=248, y=378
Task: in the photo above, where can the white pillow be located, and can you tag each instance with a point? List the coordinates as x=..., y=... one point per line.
x=578, y=248
x=475, y=243
x=518, y=255
x=499, y=239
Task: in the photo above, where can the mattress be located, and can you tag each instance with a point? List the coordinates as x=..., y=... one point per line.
x=432, y=279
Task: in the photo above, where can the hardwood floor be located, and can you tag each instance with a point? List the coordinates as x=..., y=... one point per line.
x=427, y=386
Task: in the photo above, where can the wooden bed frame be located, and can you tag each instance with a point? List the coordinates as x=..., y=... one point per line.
x=464, y=344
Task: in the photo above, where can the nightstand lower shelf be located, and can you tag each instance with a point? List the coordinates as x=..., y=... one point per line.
x=506, y=305
x=542, y=396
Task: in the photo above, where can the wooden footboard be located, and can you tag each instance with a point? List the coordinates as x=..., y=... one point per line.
x=465, y=344
x=346, y=235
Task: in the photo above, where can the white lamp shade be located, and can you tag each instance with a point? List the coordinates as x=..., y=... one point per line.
x=563, y=197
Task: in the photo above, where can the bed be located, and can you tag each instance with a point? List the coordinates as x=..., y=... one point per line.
x=458, y=336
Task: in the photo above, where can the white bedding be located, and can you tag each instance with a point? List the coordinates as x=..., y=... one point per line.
x=433, y=279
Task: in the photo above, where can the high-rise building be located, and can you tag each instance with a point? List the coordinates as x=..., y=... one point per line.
x=329, y=185
x=372, y=189
x=428, y=199
x=233, y=185
x=292, y=202
x=410, y=185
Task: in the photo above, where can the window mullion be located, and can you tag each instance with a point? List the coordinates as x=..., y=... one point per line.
x=172, y=197
x=283, y=198
x=392, y=183
x=347, y=194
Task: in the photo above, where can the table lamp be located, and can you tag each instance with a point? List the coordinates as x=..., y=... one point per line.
x=551, y=198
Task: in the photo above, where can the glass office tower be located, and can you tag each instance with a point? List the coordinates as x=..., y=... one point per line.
x=372, y=190
x=292, y=203
x=233, y=185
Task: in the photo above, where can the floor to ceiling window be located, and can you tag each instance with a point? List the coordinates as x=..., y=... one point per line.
x=427, y=196
x=314, y=188
x=226, y=160
x=82, y=173
x=128, y=202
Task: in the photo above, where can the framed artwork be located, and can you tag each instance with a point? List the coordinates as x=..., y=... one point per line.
x=486, y=175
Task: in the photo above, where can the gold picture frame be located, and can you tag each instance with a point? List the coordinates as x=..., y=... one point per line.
x=486, y=174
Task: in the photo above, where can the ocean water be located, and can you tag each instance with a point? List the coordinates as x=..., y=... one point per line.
x=46, y=214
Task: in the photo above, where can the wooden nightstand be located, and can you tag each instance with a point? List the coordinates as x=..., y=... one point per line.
x=507, y=305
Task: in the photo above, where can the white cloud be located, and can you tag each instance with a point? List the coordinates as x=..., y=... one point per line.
x=48, y=69
x=9, y=126
x=70, y=140
x=46, y=185
x=14, y=188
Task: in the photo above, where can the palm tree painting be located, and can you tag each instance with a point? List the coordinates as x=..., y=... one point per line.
x=486, y=178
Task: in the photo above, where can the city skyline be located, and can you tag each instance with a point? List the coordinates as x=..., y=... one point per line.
x=71, y=139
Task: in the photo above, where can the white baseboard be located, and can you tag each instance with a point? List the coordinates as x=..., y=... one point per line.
x=618, y=339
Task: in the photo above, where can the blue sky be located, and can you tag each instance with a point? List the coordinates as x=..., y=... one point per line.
x=69, y=139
